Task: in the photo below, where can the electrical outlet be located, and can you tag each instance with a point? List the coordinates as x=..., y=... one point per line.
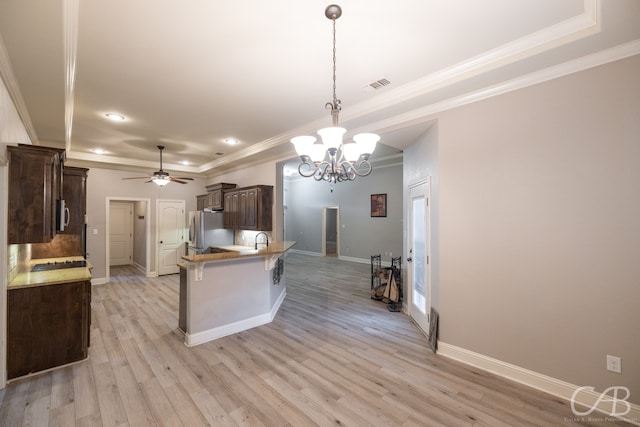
x=614, y=364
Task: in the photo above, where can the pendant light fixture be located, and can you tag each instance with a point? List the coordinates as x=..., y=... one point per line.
x=346, y=160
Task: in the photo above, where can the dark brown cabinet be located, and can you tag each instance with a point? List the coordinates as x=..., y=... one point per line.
x=249, y=208
x=214, y=199
x=47, y=326
x=75, y=194
x=35, y=186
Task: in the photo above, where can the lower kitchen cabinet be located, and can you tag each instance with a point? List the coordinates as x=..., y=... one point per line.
x=47, y=326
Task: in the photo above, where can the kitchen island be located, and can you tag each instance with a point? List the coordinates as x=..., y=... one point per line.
x=230, y=291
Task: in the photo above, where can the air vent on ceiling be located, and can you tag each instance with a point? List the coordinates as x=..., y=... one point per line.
x=378, y=84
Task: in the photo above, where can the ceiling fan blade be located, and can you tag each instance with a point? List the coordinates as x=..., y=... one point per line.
x=137, y=177
x=184, y=177
x=172, y=179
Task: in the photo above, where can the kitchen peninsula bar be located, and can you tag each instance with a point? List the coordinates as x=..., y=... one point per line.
x=227, y=292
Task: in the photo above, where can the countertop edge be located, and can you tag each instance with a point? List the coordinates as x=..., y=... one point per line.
x=272, y=249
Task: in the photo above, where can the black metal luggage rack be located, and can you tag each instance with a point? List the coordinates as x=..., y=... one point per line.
x=380, y=278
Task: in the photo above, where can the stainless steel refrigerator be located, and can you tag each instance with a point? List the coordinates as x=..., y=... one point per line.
x=206, y=229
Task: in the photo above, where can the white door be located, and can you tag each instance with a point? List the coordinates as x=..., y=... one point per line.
x=120, y=233
x=419, y=286
x=171, y=227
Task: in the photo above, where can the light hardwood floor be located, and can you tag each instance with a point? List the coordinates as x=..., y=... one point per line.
x=331, y=357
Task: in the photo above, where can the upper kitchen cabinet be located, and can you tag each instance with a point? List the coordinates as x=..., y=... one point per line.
x=35, y=188
x=75, y=194
x=214, y=199
x=249, y=208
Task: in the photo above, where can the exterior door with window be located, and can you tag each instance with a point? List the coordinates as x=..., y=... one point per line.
x=419, y=286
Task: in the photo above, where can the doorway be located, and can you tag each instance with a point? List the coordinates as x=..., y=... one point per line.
x=330, y=232
x=418, y=250
x=140, y=231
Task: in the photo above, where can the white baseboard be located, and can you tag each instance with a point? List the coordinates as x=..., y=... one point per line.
x=98, y=281
x=232, y=328
x=553, y=386
x=298, y=251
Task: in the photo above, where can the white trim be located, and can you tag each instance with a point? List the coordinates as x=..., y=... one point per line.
x=532, y=379
x=99, y=281
x=233, y=328
x=4, y=270
x=301, y=252
x=70, y=25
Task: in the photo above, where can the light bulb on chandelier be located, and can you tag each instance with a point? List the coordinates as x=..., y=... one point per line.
x=346, y=160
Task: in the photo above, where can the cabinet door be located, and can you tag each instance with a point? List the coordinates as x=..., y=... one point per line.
x=47, y=326
x=216, y=201
x=75, y=195
x=202, y=201
x=31, y=202
x=249, y=209
x=231, y=211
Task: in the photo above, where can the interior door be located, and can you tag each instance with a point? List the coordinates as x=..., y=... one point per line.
x=419, y=287
x=171, y=227
x=120, y=233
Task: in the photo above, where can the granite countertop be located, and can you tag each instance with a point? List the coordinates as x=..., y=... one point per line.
x=235, y=252
x=52, y=277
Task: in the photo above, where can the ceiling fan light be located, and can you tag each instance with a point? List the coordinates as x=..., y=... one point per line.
x=332, y=136
x=160, y=181
x=303, y=144
x=366, y=142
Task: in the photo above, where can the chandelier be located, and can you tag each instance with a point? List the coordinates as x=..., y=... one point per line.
x=346, y=160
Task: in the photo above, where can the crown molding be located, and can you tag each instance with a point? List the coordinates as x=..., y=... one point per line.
x=70, y=18
x=580, y=26
x=12, y=101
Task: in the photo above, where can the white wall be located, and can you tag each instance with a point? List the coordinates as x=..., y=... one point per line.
x=539, y=232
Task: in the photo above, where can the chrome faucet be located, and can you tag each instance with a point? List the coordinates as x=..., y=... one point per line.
x=266, y=236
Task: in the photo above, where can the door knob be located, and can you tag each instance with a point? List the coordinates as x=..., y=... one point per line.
x=161, y=241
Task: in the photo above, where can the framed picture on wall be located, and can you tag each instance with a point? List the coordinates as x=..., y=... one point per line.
x=378, y=205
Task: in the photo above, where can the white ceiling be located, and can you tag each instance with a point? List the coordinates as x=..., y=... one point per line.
x=187, y=75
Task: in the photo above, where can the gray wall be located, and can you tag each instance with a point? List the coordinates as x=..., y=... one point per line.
x=360, y=235
x=103, y=184
x=539, y=237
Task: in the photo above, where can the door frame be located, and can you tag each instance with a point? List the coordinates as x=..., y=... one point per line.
x=147, y=233
x=324, y=230
x=408, y=243
x=184, y=220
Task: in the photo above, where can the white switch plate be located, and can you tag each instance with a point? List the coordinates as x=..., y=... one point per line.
x=95, y=231
x=614, y=364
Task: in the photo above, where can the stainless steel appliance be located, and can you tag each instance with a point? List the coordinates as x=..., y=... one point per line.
x=206, y=229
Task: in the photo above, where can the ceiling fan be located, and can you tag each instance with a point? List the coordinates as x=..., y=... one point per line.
x=161, y=177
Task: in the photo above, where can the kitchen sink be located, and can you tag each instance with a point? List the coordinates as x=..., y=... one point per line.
x=57, y=265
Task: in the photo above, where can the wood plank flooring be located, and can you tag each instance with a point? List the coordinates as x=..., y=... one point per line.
x=331, y=357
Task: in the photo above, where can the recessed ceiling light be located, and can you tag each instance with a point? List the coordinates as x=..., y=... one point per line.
x=99, y=151
x=185, y=162
x=231, y=141
x=115, y=117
